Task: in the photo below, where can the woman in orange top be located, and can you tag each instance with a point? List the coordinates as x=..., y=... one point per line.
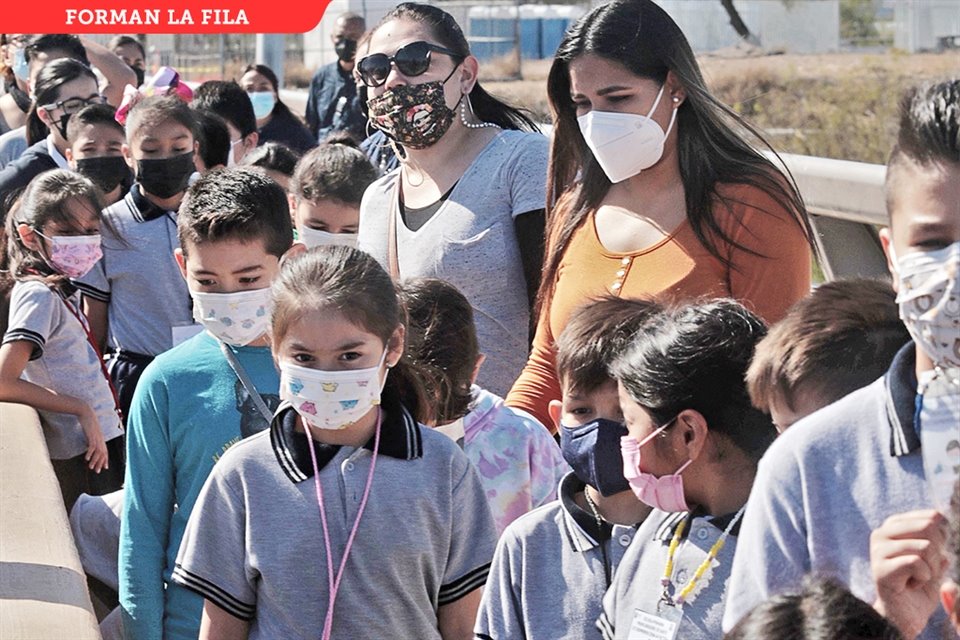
x=653, y=189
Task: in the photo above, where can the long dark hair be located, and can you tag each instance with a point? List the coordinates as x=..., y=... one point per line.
x=279, y=108
x=352, y=283
x=712, y=143
x=47, y=90
x=695, y=356
x=448, y=34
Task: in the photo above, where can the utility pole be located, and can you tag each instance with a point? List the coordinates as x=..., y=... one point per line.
x=271, y=51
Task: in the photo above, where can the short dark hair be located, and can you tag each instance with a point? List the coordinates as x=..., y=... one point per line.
x=695, y=356
x=823, y=610
x=122, y=41
x=333, y=171
x=273, y=156
x=154, y=111
x=65, y=42
x=214, y=139
x=929, y=131
x=595, y=335
x=229, y=101
x=442, y=341
x=839, y=338
x=94, y=114
x=237, y=204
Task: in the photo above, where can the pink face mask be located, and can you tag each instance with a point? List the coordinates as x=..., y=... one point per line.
x=664, y=493
x=74, y=256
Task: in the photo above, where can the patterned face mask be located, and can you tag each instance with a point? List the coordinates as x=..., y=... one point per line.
x=331, y=399
x=414, y=115
x=235, y=318
x=73, y=256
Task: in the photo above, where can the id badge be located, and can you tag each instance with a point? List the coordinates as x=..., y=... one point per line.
x=940, y=434
x=662, y=625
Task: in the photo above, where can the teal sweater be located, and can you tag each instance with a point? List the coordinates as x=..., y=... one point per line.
x=188, y=409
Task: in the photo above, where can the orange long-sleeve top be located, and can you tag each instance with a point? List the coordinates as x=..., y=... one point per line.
x=675, y=269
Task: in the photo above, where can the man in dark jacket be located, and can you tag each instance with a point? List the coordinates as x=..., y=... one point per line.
x=333, y=104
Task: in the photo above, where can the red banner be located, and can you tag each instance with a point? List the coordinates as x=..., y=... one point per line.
x=177, y=16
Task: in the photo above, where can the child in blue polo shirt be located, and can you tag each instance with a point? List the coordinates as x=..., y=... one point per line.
x=347, y=518
x=136, y=295
x=198, y=399
x=553, y=565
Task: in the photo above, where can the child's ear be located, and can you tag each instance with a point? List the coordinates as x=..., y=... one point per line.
x=181, y=261
x=128, y=156
x=395, y=346
x=886, y=241
x=476, y=368
x=28, y=236
x=68, y=154
x=44, y=116
x=555, y=409
x=296, y=249
x=692, y=426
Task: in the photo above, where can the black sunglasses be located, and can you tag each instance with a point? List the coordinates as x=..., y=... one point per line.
x=412, y=60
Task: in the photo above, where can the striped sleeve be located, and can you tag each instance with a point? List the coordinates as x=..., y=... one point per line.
x=95, y=283
x=213, y=560
x=473, y=537
x=35, y=311
x=92, y=292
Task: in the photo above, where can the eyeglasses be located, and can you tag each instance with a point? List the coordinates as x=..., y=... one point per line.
x=411, y=60
x=72, y=105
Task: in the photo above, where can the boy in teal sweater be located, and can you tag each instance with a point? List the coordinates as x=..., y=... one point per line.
x=201, y=397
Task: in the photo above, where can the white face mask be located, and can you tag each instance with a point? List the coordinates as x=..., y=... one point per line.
x=929, y=299
x=316, y=238
x=625, y=144
x=235, y=318
x=331, y=399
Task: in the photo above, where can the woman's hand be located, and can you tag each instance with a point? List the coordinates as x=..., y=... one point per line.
x=96, y=455
x=908, y=563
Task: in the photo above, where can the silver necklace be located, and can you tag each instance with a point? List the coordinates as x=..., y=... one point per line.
x=467, y=123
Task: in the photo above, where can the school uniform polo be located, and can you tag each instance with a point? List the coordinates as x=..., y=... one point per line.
x=636, y=590
x=139, y=277
x=63, y=360
x=254, y=544
x=824, y=485
x=548, y=576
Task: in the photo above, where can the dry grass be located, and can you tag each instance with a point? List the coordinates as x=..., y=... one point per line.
x=835, y=106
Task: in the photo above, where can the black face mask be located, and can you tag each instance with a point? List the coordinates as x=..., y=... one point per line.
x=107, y=172
x=140, y=75
x=61, y=124
x=346, y=49
x=165, y=177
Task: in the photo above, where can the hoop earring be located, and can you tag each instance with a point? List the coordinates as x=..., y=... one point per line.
x=464, y=104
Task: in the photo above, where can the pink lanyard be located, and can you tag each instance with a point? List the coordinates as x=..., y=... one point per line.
x=335, y=584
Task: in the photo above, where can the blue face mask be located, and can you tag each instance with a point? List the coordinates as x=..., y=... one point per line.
x=593, y=452
x=20, y=67
x=263, y=103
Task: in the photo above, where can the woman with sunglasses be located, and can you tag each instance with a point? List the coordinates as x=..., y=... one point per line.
x=63, y=87
x=466, y=205
x=654, y=188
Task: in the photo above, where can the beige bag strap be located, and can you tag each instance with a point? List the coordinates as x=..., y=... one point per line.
x=393, y=262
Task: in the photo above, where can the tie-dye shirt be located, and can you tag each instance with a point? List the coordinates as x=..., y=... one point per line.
x=519, y=462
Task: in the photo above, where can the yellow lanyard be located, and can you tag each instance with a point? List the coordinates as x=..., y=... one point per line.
x=684, y=595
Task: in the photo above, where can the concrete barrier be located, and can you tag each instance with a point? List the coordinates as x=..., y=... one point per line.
x=43, y=591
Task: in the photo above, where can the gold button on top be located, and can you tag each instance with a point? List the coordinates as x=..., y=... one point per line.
x=625, y=261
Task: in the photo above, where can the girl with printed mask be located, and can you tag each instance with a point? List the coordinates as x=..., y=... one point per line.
x=275, y=121
x=692, y=450
x=654, y=186
x=327, y=188
x=63, y=87
x=49, y=359
x=346, y=470
x=467, y=204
